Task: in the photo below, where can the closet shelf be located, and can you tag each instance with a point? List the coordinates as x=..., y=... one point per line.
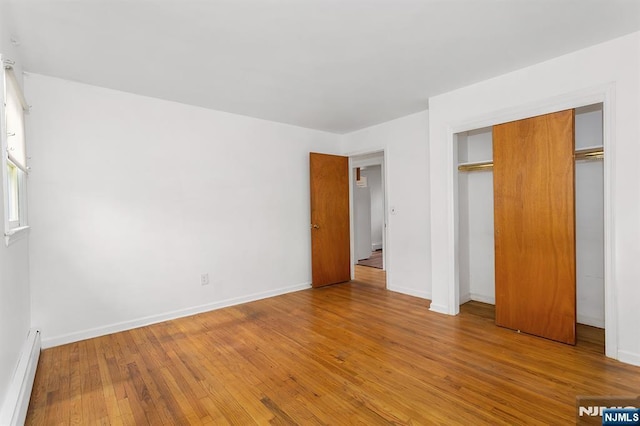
x=594, y=153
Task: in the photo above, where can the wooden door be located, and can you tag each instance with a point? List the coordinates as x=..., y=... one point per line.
x=534, y=215
x=330, y=244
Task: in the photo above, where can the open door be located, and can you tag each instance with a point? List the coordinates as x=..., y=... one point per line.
x=330, y=245
x=534, y=215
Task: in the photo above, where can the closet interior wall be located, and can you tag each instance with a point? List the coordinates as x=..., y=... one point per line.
x=476, y=258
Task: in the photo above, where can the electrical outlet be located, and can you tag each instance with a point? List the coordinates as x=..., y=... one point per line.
x=204, y=279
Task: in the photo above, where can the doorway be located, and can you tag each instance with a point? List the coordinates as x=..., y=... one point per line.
x=369, y=251
x=475, y=221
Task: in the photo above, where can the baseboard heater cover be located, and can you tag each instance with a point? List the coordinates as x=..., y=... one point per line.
x=16, y=404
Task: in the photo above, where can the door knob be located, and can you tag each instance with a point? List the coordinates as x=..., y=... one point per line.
x=315, y=226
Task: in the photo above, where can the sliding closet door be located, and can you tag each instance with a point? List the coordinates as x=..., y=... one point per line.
x=533, y=179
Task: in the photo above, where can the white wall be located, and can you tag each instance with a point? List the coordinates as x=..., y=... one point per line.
x=406, y=153
x=14, y=267
x=607, y=72
x=132, y=198
x=475, y=222
x=362, y=220
x=462, y=217
x=374, y=180
x=368, y=208
x=589, y=193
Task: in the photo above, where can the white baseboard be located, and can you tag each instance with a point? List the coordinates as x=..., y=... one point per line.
x=592, y=321
x=49, y=342
x=441, y=309
x=629, y=357
x=410, y=292
x=464, y=298
x=16, y=404
x=376, y=246
x=491, y=300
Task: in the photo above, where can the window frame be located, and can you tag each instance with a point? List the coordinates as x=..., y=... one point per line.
x=16, y=196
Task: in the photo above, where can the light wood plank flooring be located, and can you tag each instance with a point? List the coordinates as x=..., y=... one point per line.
x=372, y=276
x=374, y=261
x=346, y=354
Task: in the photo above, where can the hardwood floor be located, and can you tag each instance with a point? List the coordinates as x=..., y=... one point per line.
x=372, y=276
x=374, y=261
x=344, y=354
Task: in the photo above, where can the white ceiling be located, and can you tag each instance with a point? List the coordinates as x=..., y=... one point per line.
x=333, y=65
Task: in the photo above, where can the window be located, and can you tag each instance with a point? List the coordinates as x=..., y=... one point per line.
x=14, y=162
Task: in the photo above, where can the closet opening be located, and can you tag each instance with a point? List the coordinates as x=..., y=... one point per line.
x=473, y=151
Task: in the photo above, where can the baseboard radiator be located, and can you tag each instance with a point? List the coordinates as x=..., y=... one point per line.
x=16, y=404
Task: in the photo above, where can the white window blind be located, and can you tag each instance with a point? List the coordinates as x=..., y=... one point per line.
x=15, y=106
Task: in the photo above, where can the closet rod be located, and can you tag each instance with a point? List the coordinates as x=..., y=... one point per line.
x=475, y=167
x=589, y=154
x=580, y=154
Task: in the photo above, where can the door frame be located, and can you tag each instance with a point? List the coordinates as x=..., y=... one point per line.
x=602, y=94
x=370, y=158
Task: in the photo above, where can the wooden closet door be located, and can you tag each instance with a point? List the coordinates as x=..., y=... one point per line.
x=534, y=215
x=330, y=232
